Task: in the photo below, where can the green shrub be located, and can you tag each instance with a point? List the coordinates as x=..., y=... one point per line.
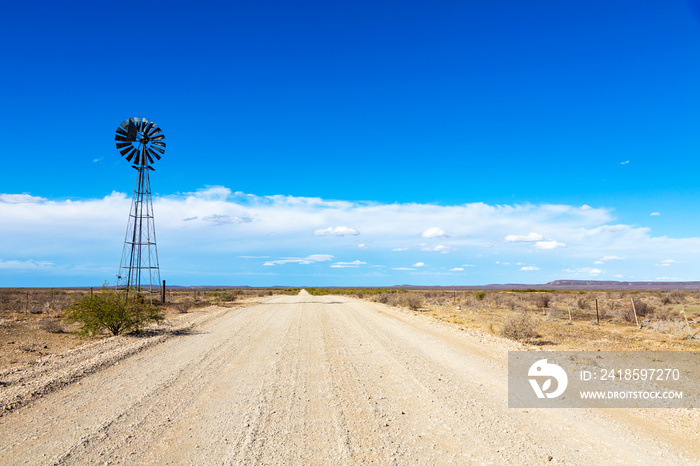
x=113, y=312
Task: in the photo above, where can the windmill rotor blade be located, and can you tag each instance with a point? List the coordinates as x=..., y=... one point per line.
x=153, y=153
x=154, y=132
x=144, y=123
x=158, y=137
x=121, y=138
x=123, y=124
x=121, y=131
x=158, y=143
x=125, y=151
x=150, y=159
x=137, y=159
x=162, y=151
x=148, y=128
x=121, y=145
x=131, y=155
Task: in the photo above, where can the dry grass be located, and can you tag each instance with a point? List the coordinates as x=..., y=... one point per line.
x=502, y=313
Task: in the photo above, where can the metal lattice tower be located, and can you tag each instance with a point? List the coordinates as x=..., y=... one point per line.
x=140, y=142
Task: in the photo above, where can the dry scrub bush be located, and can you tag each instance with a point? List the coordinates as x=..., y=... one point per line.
x=542, y=301
x=642, y=308
x=413, y=301
x=221, y=296
x=666, y=314
x=676, y=328
x=677, y=295
x=582, y=304
x=626, y=313
x=52, y=326
x=510, y=303
x=410, y=300
x=183, y=306
x=382, y=298
x=521, y=326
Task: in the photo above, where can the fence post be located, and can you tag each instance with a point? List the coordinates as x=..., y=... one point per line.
x=597, y=315
x=684, y=315
x=634, y=311
x=163, y=293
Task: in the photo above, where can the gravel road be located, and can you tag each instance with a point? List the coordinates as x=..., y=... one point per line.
x=326, y=380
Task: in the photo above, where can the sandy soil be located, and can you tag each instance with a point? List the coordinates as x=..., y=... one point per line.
x=316, y=380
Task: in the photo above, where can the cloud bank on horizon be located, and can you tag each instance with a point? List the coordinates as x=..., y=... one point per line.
x=215, y=236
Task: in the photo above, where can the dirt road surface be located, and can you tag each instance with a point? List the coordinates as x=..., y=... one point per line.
x=326, y=380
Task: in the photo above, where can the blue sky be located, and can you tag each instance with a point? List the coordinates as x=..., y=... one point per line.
x=367, y=143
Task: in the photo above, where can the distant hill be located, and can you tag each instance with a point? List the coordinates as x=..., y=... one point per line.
x=582, y=285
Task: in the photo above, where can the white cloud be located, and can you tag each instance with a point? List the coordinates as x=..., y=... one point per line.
x=353, y=264
x=666, y=263
x=585, y=271
x=529, y=268
x=468, y=265
x=320, y=257
x=655, y=214
x=457, y=269
x=362, y=246
x=625, y=162
x=25, y=265
x=435, y=232
x=442, y=249
x=90, y=233
x=549, y=244
x=337, y=231
x=605, y=259
x=224, y=219
x=297, y=260
x=612, y=258
x=537, y=239
x=212, y=193
x=418, y=264
x=402, y=268
x=20, y=199
x=532, y=237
